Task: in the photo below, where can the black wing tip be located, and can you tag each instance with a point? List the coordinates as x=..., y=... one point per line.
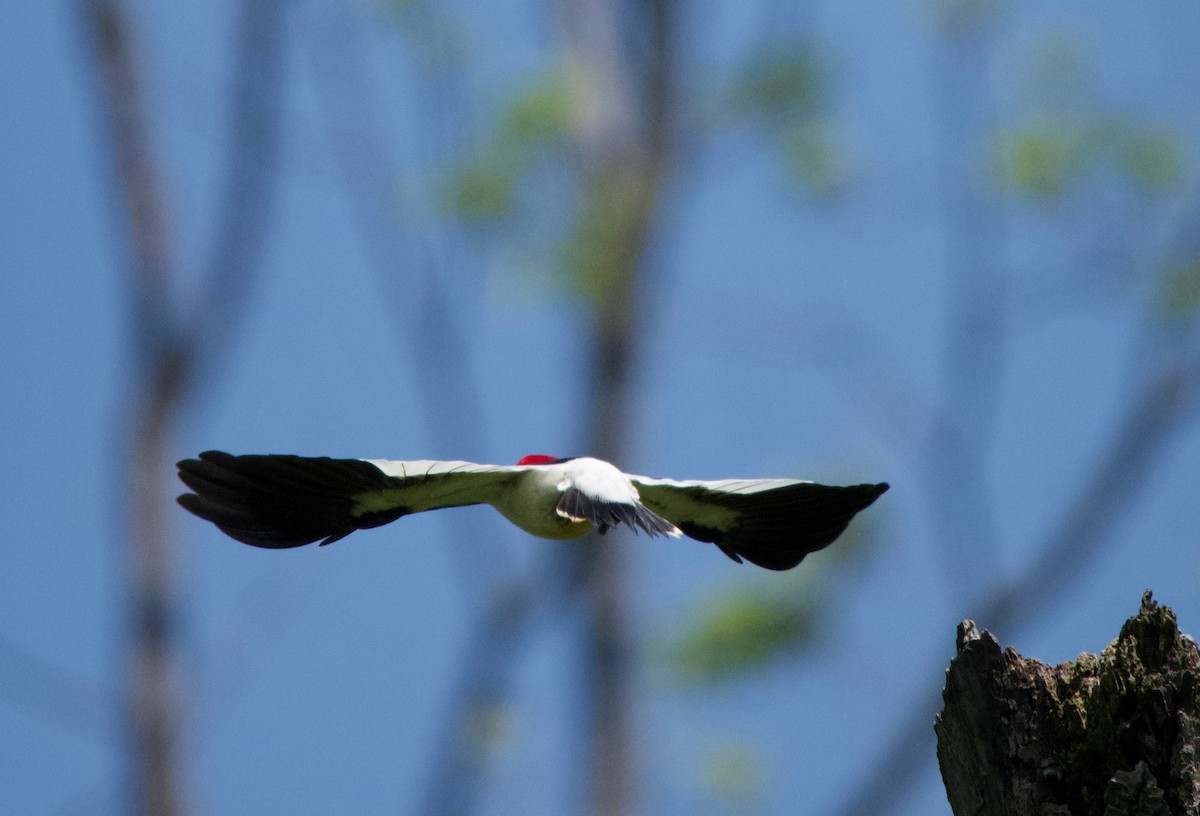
x=243, y=526
x=842, y=504
x=211, y=456
x=871, y=492
x=280, y=501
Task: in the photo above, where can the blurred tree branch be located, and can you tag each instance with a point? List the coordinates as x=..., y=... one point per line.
x=170, y=356
x=625, y=151
x=622, y=151
x=1162, y=400
x=57, y=693
x=975, y=311
x=505, y=606
x=407, y=267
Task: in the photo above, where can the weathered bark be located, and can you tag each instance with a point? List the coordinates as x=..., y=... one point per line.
x=1114, y=735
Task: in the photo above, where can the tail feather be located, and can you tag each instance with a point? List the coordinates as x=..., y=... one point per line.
x=576, y=504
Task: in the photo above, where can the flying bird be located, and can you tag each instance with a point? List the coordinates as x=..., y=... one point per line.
x=279, y=501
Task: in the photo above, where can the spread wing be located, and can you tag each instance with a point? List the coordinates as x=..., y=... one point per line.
x=280, y=501
x=773, y=523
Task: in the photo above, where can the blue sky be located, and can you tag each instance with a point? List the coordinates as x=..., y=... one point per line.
x=786, y=334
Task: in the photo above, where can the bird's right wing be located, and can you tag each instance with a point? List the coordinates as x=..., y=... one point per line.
x=280, y=501
x=773, y=523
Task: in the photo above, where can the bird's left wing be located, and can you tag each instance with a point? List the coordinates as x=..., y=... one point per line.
x=773, y=523
x=280, y=501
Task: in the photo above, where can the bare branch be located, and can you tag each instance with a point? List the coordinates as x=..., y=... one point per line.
x=407, y=273
x=57, y=693
x=166, y=357
x=247, y=191
x=153, y=703
x=975, y=312
x=484, y=680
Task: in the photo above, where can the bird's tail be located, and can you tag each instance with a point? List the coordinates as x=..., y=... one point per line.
x=578, y=505
x=279, y=501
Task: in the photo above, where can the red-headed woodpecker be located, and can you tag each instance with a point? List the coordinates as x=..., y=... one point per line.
x=280, y=501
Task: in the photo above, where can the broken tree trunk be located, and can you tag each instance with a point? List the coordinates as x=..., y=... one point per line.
x=1114, y=735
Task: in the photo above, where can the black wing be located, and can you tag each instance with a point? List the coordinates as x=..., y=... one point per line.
x=773, y=523
x=279, y=501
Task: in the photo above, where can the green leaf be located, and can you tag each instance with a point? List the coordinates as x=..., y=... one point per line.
x=599, y=255
x=783, y=83
x=734, y=774
x=1041, y=160
x=815, y=157
x=484, y=190
x=1181, y=292
x=490, y=727
x=486, y=186
x=1152, y=157
x=1044, y=159
x=541, y=114
x=742, y=630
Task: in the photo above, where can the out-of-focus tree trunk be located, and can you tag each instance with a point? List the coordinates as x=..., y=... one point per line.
x=627, y=192
x=153, y=696
x=625, y=148
x=1114, y=735
x=172, y=351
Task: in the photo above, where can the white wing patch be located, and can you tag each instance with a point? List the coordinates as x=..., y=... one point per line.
x=689, y=501
x=598, y=479
x=427, y=484
x=739, y=486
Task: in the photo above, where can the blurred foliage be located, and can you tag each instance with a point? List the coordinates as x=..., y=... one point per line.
x=490, y=727
x=1181, y=291
x=1058, y=76
x=484, y=189
x=955, y=16
x=1040, y=160
x=740, y=628
x=743, y=629
x=815, y=157
x=1151, y=156
x=433, y=31
x=785, y=87
x=783, y=84
x=532, y=126
x=734, y=775
x=1075, y=139
x=1045, y=159
x=540, y=115
x=598, y=249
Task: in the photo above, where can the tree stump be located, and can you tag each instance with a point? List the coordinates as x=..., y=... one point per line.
x=1114, y=735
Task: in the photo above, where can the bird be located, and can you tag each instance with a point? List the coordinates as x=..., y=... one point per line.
x=279, y=501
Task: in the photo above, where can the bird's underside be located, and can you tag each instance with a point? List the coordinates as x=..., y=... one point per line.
x=280, y=501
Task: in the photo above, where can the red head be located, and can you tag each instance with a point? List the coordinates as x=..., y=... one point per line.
x=537, y=459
